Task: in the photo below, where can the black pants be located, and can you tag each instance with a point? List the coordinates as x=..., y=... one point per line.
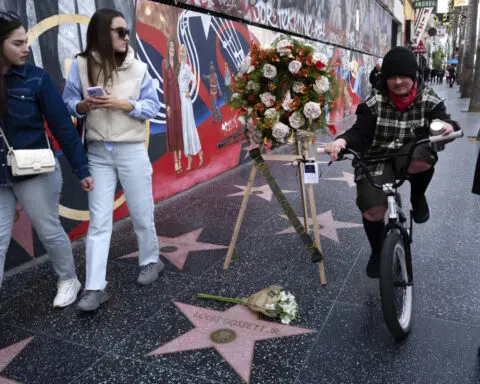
x=368, y=196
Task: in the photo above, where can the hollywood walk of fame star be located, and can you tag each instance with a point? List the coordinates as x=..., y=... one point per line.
x=8, y=354
x=263, y=192
x=327, y=226
x=347, y=177
x=232, y=333
x=176, y=249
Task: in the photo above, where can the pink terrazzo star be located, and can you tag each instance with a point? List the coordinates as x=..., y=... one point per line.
x=176, y=249
x=263, y=192
x=349, y=178
x=327, y=226
x=8, y=354
x=236, y=331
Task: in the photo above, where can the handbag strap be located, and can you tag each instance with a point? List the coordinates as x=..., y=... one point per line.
x=11, y=149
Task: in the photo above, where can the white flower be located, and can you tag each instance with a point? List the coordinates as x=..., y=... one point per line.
x=269, y=71
x=296, y=120
x=236, y=95
x=286, y=320
x=268, y=99
x=272, y=115
x=280, y=132
x=317, y=56
x=242, y=120
x=284, y=47
x=294, y=66
x=298, y=86
x=282, y=296
x=247, y=62
x=321, y=85
x=312, y=110
x=270, y=307
x=253, y=85
x=286, y=102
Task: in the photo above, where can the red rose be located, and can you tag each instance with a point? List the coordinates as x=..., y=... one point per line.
x=332, y=129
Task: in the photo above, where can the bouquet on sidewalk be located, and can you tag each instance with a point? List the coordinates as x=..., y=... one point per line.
x=272, y=301
x=283, y=90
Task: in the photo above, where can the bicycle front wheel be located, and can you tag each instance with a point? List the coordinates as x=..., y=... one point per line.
x=396, y=289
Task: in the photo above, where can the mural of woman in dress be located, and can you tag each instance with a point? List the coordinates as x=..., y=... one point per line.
x=187, y=83
x=215, y=91
x=173, y=107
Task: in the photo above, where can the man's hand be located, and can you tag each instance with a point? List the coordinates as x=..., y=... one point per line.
x=447, y=128
x=87, y=184
x=334, y=147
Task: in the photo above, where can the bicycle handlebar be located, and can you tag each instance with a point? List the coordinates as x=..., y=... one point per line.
x=376, y=159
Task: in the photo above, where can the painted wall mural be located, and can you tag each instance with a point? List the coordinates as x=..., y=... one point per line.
x=191, y=56
x=363, y=25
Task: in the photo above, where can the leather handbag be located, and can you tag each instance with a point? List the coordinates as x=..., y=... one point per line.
x=25, y=162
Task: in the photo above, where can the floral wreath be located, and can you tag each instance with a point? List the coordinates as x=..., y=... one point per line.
x=281, y=91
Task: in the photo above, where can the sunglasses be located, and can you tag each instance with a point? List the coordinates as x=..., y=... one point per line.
x=8, y=16
x=122, y=32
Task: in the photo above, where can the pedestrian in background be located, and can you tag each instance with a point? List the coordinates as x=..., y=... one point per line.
x=28, y=96
x=116, y=136
x=375, y=74
x=476, y=177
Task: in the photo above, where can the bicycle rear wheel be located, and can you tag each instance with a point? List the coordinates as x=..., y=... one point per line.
x=396, y=289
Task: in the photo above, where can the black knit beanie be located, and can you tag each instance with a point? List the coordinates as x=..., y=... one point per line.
x=399, y=61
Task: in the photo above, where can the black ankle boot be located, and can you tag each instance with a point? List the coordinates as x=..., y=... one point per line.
x=419, y=183
x=374, y=232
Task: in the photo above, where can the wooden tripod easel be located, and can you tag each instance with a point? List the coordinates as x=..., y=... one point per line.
x=302, y=150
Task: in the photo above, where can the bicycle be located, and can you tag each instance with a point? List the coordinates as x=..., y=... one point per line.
x=396, y=271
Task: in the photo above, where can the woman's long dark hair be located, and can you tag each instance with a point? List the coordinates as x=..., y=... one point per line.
x=9, y=22
x=99, y=40
x=176, y=64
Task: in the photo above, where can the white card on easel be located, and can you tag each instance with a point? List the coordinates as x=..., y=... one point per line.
x=310, y=173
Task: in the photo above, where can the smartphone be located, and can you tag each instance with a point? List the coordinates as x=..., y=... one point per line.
x=95, y=91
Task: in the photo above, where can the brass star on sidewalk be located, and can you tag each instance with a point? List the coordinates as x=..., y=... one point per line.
x=263, y=192
x=8, y=354
x=232, y=333
x=327, y=226
x=176, y=249
x=349, y=178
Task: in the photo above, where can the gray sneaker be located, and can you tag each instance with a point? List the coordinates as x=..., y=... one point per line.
x=91, y=300
x=149, y=273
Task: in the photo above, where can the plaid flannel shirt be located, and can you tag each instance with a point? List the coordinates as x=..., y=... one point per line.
x=392, y=128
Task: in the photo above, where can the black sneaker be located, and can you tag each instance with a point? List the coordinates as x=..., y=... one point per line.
x=373, y=266
x=421, y=212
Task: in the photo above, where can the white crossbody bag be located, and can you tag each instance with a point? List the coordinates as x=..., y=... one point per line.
x=25, y=162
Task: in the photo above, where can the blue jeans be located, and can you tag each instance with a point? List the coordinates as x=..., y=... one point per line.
x=39, y=197
x=128, y=163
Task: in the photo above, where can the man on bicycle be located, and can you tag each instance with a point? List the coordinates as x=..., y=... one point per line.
x=399, y=112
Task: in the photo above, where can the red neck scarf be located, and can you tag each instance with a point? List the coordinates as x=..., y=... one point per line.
x=402, y=102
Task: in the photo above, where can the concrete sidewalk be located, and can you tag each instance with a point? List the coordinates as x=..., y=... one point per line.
x=163, y=334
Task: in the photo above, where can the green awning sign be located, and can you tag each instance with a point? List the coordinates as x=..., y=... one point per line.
x=425, y=4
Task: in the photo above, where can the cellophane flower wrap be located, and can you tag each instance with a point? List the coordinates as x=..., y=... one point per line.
x=291, y=78
x=273, y=301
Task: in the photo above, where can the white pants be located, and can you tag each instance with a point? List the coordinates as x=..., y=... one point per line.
x=129, y=163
